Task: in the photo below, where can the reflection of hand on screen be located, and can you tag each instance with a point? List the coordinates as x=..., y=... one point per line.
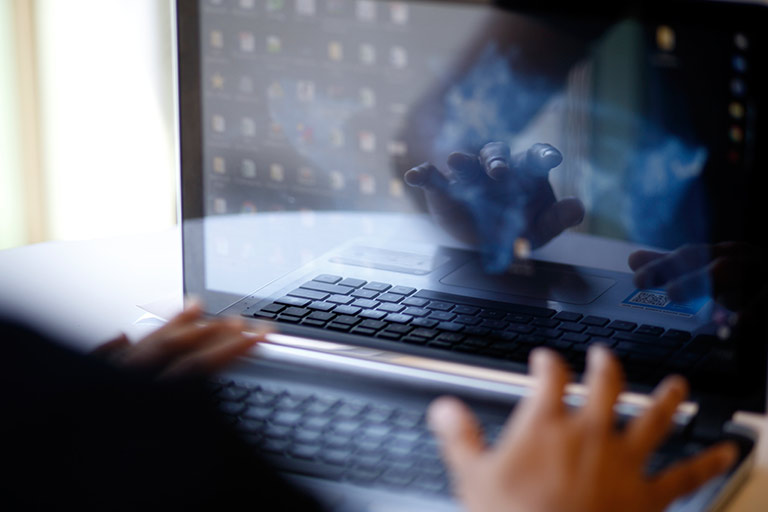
x=733, y=273
x=495, y=199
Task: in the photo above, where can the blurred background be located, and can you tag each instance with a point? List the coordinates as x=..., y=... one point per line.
x=86, y=119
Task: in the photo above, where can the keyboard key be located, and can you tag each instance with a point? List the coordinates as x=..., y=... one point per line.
x=439, y=306
x=492, y=314
x=621, y=325
x=293, y=311
x=425, y=333
x=321, y=316
x=467, y=320
x=346, y=320
x=596, y=321
x=373, y=324
x=373, y=313
x=365, y=303
x=450, y=337
x=364, y=331
x=377, y=287
x=548, y=323
x=402, y=290
x=273, y=308
x=347, y=310
x=442, y=316
x=232, y=393
x=398, y=319
x=364, y=294
x=651, y=330
x=414, y=340
x=338, y=326
x=340, y=299
x=548, y=333
x=416, y=302
x=521, y=328
x=424, y=322
x=289, y=319
x=494, y=324
x=293, y=301
x=322, y=306
x=391, y=308
x=602, y=332
x=473, y=330
x=389, y=297
x=262, y=314
x=313, y=323
x=416, y=311
x=327, y=278
x=465, y=310
x=677, y=334
x=567, y=316
x=575, y=337
x=572, y=327
x=450, y=326
x=287, y=419
x=308, y=294
x=517, y=318
x=389, y=335
x=352, y=282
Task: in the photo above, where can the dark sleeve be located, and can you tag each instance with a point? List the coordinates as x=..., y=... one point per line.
x=78, y=433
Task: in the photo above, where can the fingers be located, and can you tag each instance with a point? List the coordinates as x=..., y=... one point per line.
x=686, y=476
x=647, y=431
x=604, y=381
x=426, y=176
x=457, y=430
x=552, y=376
x=112, y=347
x=219, y=353
x=639, y=259
x=495, y=158
x=682, y=261
x=466, y=168
x=557, y=218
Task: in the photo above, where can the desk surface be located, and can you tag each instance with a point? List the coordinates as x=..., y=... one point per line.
x=89, y=291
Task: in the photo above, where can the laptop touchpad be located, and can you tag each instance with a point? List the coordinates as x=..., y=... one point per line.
x=535, y=280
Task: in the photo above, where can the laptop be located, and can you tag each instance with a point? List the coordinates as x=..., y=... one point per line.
x=298, y=123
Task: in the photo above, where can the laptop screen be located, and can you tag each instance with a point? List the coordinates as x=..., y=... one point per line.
x=558, y=156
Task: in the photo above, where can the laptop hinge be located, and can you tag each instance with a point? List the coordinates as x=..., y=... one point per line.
x=714, y=412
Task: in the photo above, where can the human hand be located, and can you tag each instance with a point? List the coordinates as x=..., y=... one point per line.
x=496, y=198
x=733, y=273
x=183, y=347
x=548, y=459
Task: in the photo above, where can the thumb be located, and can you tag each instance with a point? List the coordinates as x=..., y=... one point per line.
x=457, y=430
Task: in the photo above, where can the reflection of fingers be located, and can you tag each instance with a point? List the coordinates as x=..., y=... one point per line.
x=551, y=376
x=647, y=431
x=688, y=475
x=495, y=159
x=639, y=259
x=673, y=265
x=604, y=382
x=557, y=218
x=466, y=168
x=541, y=158
x=458, y=431
x=214, y=357
x=427, y=177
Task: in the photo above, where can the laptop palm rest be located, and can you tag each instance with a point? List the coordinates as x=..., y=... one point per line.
x=535, y=280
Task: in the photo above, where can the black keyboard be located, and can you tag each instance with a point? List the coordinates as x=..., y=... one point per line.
x=499, y=330
x=366, y=442
x=337, y=438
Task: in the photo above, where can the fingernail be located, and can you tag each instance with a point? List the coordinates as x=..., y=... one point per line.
x=497, y=164
x=678, y=385
x=443, y=414
x=596, y=353
x=539, y=359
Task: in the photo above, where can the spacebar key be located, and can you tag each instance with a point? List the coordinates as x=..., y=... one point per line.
x=483, y=303
x=306, y=468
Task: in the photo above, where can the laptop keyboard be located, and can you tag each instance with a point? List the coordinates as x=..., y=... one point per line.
x=370, y=443
x=498, y=330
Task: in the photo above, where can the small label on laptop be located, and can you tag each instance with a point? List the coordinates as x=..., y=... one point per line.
x=657, y=300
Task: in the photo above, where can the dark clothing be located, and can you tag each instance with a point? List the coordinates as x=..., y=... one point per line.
x=77, y=433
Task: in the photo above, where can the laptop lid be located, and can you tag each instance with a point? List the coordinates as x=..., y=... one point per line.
x=299, y=120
